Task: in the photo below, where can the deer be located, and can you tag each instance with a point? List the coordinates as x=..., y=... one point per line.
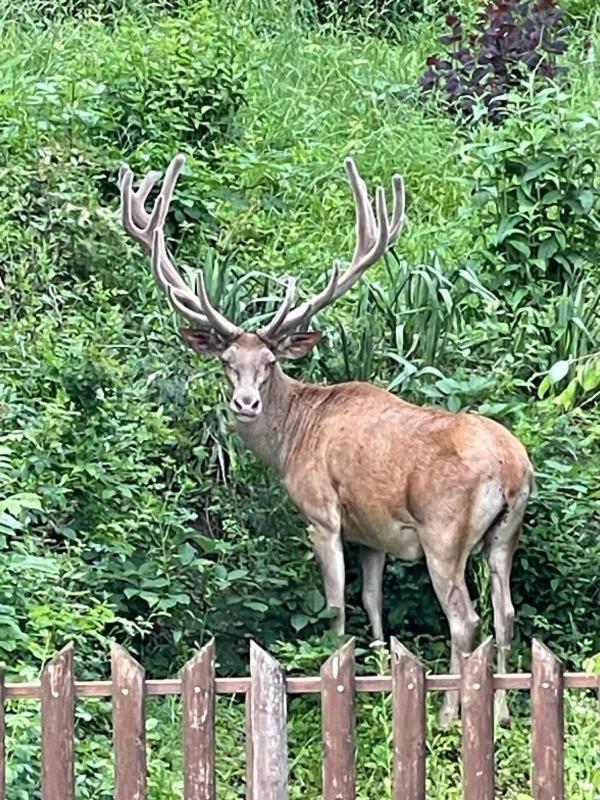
x=361, y=465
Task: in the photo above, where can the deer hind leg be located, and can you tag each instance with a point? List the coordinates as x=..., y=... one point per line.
x=327, y=544
x=502, y=543
x=449, y=583
x=372, y=563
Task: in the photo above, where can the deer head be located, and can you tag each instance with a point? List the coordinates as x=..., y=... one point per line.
x=249, y=358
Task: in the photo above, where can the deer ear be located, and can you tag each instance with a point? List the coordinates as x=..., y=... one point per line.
x=203, y=343
x=298, y=344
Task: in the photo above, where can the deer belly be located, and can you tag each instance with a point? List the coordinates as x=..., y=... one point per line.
x=397, y=538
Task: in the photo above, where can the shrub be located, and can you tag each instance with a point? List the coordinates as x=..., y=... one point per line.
x=534, y=195
x=512, y=39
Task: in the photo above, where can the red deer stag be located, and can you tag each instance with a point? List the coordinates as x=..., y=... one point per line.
x=361, y=465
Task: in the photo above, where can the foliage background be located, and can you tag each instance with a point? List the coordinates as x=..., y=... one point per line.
x=128, y=511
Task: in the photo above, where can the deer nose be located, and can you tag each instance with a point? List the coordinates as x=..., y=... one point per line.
x=246, y=403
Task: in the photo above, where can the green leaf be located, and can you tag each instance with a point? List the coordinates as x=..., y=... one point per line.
x=544, y=386
x=521, y=246
x=315, y=601
x=589, y=375
x=566, y=399
x=548, y=248
x=558, y=371
x=256, y=605
x=586, y=199
x=236, y=574
x=187, y=553
x=299, y=621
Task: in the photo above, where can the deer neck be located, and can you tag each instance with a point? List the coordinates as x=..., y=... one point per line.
x=269, y=436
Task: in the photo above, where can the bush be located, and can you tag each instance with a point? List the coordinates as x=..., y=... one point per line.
x=511, y=41
x=535, y=193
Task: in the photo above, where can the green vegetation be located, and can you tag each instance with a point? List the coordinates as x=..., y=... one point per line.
x=128, y=511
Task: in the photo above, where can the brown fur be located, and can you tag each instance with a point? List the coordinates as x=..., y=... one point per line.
x=366, y=467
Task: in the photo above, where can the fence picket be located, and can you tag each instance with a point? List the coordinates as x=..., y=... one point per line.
x=477, y=704
x=129, y=733
x=268, y=727
x=338, y=709
x=58, y=727
x=198, y=711
x=409, y=718
x=547, y=713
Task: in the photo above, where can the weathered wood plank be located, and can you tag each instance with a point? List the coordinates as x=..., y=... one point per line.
x=477, y=704
x=129, y=732
x=58, y=727
x=198, y=711
x=547, y=712
x=338, y=710
x=268, y=727
x=409, y=721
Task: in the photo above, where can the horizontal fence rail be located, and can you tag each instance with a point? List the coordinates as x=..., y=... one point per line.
x=300, y=685
x=266, y=691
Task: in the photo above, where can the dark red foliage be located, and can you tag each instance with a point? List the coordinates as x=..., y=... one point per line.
x=512, y=39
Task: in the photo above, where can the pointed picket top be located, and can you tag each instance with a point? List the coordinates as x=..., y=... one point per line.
x=338, y=660
x=402, y=655
x=198, y=712
x=124, y=663
x=258, y=656
x=268, y=749
x=58, y=669
x=542, y=654
x=206, y=654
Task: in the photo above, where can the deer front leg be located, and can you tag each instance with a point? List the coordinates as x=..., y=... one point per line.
x=329, y=551
x=372, y=563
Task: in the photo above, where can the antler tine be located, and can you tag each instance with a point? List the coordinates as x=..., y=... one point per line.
x=271, y=330
x=216, y=319
x=398, y=217
x=375, y=233
x=366, y=229
x=147, y=229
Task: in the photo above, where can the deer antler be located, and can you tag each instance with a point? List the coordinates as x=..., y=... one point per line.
x=374, y=235
x=147, y=229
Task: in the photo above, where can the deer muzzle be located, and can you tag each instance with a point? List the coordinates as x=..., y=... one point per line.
x=246, y=404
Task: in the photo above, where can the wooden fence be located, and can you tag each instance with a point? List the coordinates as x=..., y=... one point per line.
x=266, y=693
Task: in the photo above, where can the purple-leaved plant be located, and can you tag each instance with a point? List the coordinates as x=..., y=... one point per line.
x=512, y=39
